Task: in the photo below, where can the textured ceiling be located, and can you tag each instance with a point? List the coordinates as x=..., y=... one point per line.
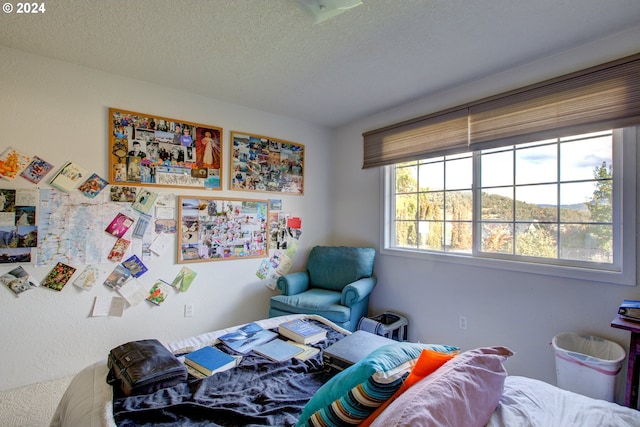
x=268, y=54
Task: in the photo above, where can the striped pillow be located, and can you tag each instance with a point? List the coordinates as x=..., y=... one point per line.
x=353, y=394
x=356, y=405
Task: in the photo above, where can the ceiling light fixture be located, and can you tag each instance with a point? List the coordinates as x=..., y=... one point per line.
x=322, y=10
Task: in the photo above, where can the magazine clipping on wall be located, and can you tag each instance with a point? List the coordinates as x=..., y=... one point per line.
x=284, y=233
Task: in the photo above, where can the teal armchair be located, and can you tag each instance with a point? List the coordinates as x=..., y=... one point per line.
x=336, y=285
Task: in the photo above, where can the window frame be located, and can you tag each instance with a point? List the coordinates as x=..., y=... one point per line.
x=624, y=214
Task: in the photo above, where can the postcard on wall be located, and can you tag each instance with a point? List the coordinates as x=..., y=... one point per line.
x=93, y=185
x=123, y=194
x=17, y=281
x=118, y=250
x=133, y=292
x=165, y=212
x=160, y=244
x=263, y=269
x=165, y=226
x=275, y=204
x=12, y=162
x=7, y=207
x=184, y=279
x=119, y=225
x=12, y=256
x=166, y=200
x=36, y=170
x=8, y=236
x=135, y=266
x=144, y=201
x=108, y=306
x=141, y=226
x=278, y=265
x=58, y=276
x=159, y=292
x=87, y=278
x=19, y=236
x=68, y=177
x=27, y=197
x=117, y=277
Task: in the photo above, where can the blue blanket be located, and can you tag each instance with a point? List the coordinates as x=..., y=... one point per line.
x=256, y=393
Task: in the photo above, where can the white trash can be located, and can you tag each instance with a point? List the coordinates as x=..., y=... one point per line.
x=588, y=365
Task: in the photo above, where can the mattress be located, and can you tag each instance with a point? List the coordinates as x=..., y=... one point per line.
x=88, y=401
x=527, y=402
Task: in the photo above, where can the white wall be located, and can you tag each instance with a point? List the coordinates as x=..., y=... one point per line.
x=58, y=111
x=519, y=310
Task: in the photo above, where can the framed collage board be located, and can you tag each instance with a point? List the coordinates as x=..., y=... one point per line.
x=159, y=151
x=213, y=229
x=262, y=163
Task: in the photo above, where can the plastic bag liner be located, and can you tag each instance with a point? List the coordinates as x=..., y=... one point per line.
x=587, y=365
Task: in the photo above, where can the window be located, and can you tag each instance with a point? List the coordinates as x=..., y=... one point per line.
x=528, y=179
x=553, y=206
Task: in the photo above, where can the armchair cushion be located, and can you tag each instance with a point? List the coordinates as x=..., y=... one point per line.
x=334, y=267
x=314, y=301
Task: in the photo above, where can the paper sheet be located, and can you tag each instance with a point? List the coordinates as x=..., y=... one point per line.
x=133, y=292
x=108, y=306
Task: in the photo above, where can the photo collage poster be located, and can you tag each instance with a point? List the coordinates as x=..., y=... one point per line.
x=148, y=150
x=220, y=229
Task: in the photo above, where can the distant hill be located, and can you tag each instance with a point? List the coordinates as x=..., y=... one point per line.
x=501, y=207
x=575, y=206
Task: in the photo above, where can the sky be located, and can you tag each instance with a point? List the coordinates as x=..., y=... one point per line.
x=536, y=166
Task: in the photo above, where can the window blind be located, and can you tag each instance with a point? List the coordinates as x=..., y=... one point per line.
x=602, y=97
x=442, y=133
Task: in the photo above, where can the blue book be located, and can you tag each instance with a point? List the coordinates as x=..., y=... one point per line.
x=244, y=339
x=630, y=309
x=209, y=360
x=278, y=350
x=301, y=331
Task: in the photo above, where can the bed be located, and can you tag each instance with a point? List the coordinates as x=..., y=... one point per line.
x=470, y=389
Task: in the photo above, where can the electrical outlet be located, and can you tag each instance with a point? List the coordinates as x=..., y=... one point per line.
x=462, y=322
x=188, y=310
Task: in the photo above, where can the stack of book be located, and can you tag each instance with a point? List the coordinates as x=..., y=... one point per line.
x=630, y=310
x=207, y=361
x=302, y=331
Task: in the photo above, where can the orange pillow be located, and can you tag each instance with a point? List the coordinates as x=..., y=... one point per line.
x=428, y=362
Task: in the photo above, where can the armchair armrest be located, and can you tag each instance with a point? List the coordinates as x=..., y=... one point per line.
x=293, y=283
x=357, y=291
